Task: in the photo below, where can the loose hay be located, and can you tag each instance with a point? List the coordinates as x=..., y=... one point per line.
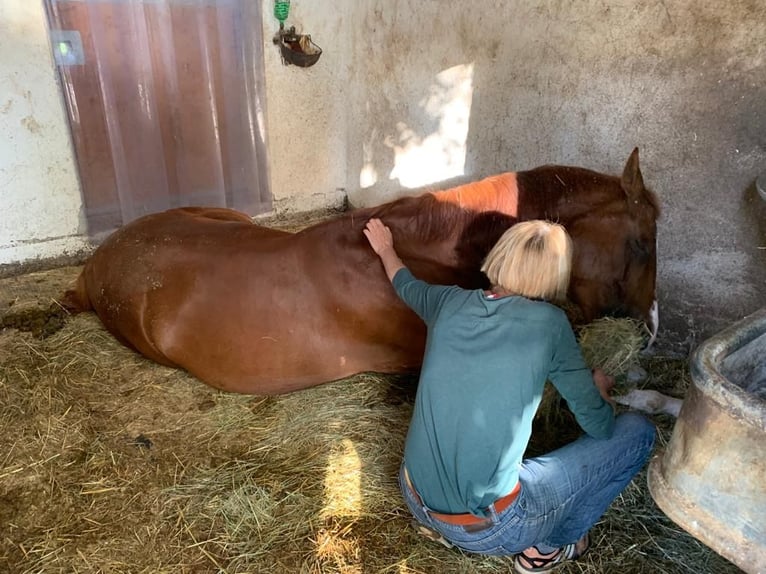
x=612, y=344
x=111, y=463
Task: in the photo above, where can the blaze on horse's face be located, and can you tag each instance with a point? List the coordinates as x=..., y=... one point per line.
x=615, y=256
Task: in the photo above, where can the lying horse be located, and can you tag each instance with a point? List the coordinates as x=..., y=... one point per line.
x=249, y=309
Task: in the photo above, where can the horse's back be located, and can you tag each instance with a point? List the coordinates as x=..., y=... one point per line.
x=247, y=308
x=139, y=279
x=151, y=251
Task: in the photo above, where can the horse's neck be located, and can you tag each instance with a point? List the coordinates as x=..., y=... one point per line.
x=496, y=193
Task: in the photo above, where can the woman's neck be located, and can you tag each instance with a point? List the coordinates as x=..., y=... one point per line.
x=497, y=291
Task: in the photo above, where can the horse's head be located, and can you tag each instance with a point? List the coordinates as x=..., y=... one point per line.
x=615, y=254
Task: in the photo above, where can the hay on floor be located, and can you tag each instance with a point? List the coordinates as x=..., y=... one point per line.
x=111, y=463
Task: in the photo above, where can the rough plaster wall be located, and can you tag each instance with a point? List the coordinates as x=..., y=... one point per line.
x=307, y=109
x=583, y=84
x=39, y=190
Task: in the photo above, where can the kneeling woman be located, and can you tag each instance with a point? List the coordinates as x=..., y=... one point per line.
x=488, y=356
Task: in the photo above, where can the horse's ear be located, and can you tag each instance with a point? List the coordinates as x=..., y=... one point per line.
x=632, y=181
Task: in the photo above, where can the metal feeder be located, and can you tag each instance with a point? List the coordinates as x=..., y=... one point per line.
x=297, y=49
x=711, y=478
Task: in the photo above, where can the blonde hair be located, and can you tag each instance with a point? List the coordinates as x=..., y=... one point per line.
x=533, y=259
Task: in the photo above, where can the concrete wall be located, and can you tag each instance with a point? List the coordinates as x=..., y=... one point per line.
x=410, y=94
x=582, y=84
x=308, y=108
x=40, y=201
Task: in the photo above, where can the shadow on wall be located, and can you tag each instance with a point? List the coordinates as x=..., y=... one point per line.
x=754, y=215
x=755, y=208
x=692, y=314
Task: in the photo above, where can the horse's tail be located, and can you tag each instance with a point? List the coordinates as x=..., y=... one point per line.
x=76, y=300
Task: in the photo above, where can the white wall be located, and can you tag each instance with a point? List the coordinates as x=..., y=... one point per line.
x=40, y=200
x=308, y=108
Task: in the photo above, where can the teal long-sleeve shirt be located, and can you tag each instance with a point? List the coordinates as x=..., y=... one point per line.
x=485, y=365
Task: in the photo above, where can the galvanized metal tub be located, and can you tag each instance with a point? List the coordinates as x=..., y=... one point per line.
x=711, y=478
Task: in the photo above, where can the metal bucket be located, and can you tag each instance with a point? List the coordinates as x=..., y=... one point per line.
x=711, y=478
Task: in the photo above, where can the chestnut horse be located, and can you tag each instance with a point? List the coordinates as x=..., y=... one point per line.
x=249, y=309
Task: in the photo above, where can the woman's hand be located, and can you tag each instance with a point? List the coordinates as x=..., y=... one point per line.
x=382, y=242
x=379, y=236
x=604, y=383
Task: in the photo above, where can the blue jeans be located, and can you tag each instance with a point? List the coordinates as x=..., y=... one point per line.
x=562, y=495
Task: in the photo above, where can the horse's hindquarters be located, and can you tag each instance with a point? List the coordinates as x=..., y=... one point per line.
x=249, y=311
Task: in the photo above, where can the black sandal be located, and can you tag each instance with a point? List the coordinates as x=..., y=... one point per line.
x=551, y=561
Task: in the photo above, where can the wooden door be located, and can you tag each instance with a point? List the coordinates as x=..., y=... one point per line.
x=165, y=102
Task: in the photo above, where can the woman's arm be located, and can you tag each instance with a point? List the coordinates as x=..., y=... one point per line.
x=419, y=296
x=586, y=392
x=382, y=243
x=604, y=383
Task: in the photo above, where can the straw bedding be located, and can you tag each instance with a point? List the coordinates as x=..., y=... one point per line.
x=110, y=463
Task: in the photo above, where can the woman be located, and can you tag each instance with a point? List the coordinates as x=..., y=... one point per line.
x=488, y=355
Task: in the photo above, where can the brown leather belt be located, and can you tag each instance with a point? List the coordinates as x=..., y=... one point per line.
x=465, y=519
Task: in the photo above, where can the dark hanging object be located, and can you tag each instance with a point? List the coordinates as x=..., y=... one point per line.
x=297, y=49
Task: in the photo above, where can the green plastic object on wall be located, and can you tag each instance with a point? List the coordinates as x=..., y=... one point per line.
x=281, y=10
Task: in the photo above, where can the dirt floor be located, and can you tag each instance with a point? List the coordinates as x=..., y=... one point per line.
x=111, y=463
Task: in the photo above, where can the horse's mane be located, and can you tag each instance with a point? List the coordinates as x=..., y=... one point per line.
x=437, y=215
x=449, y=233
x=423, y=217
x=477, y=213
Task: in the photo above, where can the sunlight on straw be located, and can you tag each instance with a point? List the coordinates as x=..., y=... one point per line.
x=342, y=483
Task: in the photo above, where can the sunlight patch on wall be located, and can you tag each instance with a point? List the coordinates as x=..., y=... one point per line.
x=440, y=155
x=369, y=174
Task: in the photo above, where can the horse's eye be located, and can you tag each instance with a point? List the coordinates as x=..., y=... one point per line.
x=640, y=250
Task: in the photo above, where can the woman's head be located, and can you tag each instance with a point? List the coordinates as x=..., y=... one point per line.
x=533, y=259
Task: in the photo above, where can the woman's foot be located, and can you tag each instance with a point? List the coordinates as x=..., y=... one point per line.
x=532, y=560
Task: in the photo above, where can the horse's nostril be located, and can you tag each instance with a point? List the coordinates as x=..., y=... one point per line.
x=623, y=312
